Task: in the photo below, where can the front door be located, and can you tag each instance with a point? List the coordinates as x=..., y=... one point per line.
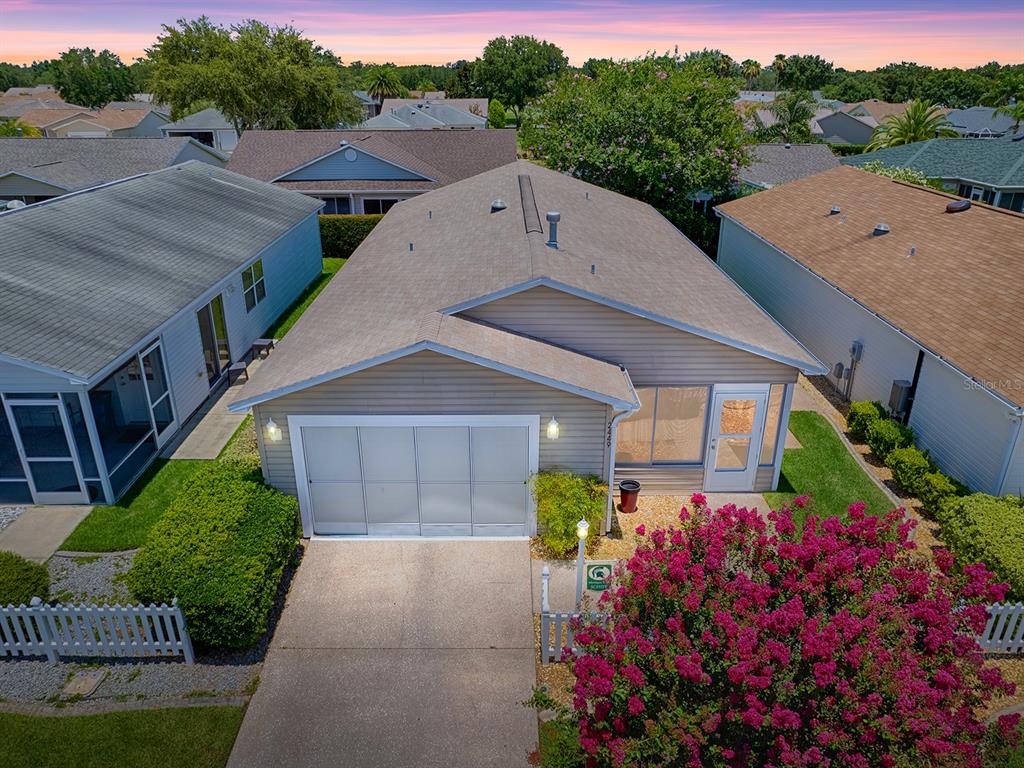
x=734, y=440
x=42, y=434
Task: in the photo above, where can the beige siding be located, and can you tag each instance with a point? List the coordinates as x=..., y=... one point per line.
x=652, y=353
x=430, y=383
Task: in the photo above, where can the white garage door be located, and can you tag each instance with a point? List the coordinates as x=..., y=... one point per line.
x=416, y=475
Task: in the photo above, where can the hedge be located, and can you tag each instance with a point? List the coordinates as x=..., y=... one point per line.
x=563, y=499
x=21, y=580
x=862, y=415
x=341, y=234
x=220, y=549
x=908, y=465
x=886, y=435
x=846, y=150
x=989, y=529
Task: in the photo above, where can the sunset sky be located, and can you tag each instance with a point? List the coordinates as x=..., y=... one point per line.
x=852, y=34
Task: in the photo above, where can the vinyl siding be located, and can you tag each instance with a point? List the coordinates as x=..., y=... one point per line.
x=1014, y=482
x=192, y=152
x=17, y=378
x=183, y=352
x=16, y=185
x=148, y=127
x=337, y=167
x=77, y=126
x=430, y=383
x=652, y=353
x=226, y=141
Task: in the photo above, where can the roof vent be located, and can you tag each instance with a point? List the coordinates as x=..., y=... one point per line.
x=344, y=143
x=958, y=205
x=553, y=218
x=880, y=229
x=835, y=210
x=498, y=205
x=787, y=145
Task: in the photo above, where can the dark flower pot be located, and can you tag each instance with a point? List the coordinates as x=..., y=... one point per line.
x=628, y=491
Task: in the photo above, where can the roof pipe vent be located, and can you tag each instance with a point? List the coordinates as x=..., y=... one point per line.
x=835, y=210
x=498, y=205
x=880, y=229
x=553, y=218
x=958, y=205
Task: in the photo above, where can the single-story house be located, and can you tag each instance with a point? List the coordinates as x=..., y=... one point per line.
x=912, y=303
x=763, y=117
x=774, y=164
x=426, y=115
x=475, y=106
x=842, y=128
x=371, y=107
x=119, y=119
x=208, y=126
x=120, y=308
x=359, y=171
x=989, y=170
x=32, y=170
x=876, y=109
x=980, y=123
x=522, y=320
x=36, y=111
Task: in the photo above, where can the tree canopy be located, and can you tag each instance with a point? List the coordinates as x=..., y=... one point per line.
x=91, y=79
x=793, y=111
x=383, y=83
x=516, y=70
x=920, y=122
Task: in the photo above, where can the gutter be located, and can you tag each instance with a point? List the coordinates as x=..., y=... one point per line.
x=612, y=432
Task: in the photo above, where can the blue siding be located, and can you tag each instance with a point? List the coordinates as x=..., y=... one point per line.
x=337, y=167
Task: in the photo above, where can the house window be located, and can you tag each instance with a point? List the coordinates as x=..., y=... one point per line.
x=336, y=205
x=253, y=286
x=1012, y=201
x=771, y=425
x=377, y=206
x=668, y=428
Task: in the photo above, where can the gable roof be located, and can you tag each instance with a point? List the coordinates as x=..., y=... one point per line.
x=209, y=119
x=778, y=163
x=72, y=164
x=473, y=105
x=959, y=295
x=612, y=250
x=39, y=112
x=115, y=118
x=444, y=156
x=424, y=115
x=997, y=162
x=980, y=119
x=877, y=108
x=132, y=255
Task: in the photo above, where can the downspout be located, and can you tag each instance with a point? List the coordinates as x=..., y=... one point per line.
x=1010, y=448
x=612, y=427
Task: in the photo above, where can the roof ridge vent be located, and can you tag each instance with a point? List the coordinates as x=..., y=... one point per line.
x=531, y=216
x=881, y=228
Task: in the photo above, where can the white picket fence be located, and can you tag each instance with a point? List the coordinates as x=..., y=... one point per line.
x=556, y=631
x=1004, y=632
x=94, y=630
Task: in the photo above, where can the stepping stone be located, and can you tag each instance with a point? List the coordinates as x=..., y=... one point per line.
x=84, y=683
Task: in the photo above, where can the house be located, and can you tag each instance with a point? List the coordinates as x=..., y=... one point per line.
x=475, y=106
x=119, y=119
x=877, y=109
x=773, y=164
x=32, y=91
x=371, y=107
x=506, y=339
x=980, y=123
x=763, y=117
x=120, y=307
x=989, y=170
x=208, y=126
x=425, y=115
x=38, y=169
x=844, y=128
x=360, y=171
x=914, y=306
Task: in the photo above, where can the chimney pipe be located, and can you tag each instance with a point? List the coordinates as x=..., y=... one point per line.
x=553, y=218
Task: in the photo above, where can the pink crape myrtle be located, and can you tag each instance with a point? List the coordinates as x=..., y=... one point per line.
x=736, y=640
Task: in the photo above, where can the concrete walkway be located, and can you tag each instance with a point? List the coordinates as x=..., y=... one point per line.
x=39, y=531
x=400, y=654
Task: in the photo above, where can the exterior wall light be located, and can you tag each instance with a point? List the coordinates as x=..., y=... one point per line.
x=273, y=431
x=553, y=429
x=582, y=529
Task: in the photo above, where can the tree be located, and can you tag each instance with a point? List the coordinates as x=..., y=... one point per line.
x=712, y=61
x=92, y=79
x=852, y=87
x=805, y=73
x=921, y=121
x=426, y=85
x=517, y=69
x=953, y=88
x=779, y=68
x=383, y=83
x=739, y=640
x=793, y=112
x=751, y=70
x=1014, y=111
x=900, y=82
x=1008, y=84
x=255, y=74
x=497, y=117
x=18, y=128
x=460, y=84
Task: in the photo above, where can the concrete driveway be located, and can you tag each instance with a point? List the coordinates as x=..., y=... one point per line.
x=398, y=653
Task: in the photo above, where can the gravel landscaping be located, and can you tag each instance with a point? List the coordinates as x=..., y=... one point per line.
x=89, y=578
x=8, y=515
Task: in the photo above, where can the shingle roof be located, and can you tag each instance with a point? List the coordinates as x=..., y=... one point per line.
x=210, y=119
x=129, y=256
x=878, y=109
x=78, y=163
x=445, y=156
x=979, y=119
x=435, y=115
x=959, y=294
x=612, y=248
x=39, y=112
x=467, y=105
x=778, y=163
x=998, y=162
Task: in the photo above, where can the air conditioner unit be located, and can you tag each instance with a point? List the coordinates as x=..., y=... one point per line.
x=899, y=396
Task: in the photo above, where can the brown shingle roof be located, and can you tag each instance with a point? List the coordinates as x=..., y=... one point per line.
x=114, y=118
x=959, y=295
x=879, y=109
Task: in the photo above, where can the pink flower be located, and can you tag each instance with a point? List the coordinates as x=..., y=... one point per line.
x=635, y=705
x=641, y=530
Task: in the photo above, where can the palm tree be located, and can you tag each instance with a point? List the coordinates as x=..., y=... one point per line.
x=793, y=113
x=750, y=70
x=17, y=128
x=779, y=67
x=1013, y=110
x=921, y=121
x=383, y=83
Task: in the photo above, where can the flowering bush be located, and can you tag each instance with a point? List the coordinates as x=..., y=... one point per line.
x=737, y=641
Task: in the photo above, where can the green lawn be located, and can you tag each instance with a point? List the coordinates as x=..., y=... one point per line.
x=294, y=312
x=193, y=737
x=824, y=470
x=126, y=524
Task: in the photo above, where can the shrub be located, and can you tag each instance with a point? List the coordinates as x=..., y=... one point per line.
x=220, y=549
x=886, y=435
x=738, y=641
x=340, y=235
x=908, y=465
x=563, y=499
x=863, y=413
x=934, y=488
x=21, y=580
x=989, y=529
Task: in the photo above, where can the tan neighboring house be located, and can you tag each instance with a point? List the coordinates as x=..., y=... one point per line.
x=124, y=119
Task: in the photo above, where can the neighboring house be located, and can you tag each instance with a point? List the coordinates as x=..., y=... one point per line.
x=32, y=170
x=765, y=118
x=120, y=307
x=980, y=122
x=844, y=128
x=774, y=164
x=360, y=171
x=469, y=344
x=208, y=126
x=122, y=119
x=37, y=112
x=989, y=170
x=757, y=97
x=371, y=107
x=876, y=109
x=928, y=309
x=34, y=91
x=425, y=116
x=473, y=106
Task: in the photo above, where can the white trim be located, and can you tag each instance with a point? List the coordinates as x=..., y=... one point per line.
x=780, y=449
x=748, y=475
x=341, y=148
x=297, y=422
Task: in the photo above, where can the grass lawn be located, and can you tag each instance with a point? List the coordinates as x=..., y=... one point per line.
x=294, y=312
x=196, y=737
x=824, y=470
x=126, y=524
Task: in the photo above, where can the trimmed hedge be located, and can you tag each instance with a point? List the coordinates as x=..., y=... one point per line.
x=341, y=234
x=21, y=580
x=846, y=150
x=563, y=499
x=989, y=529
x=886, y=435
x=862, y=415
x=934, y=488
x=908, y=465
x=220, y=549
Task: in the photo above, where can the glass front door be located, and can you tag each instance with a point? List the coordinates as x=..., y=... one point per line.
x=213, y=330
x=42, y=431
x=734, y=444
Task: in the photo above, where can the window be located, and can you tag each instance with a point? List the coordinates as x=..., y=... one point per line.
x=668, y=428
x=336, y=205
x=771, y=425
x=377, y=206
x=1012, y=201
x=253, y=286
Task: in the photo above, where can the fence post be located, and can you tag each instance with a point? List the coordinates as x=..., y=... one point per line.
x=545, y=581
x=186, y=641
x=42, y=629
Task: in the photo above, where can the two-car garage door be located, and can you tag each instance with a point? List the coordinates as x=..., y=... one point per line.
x=415, y=475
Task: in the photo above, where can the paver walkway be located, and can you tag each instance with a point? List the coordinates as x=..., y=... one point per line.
x=39, y=531
x=400, y=654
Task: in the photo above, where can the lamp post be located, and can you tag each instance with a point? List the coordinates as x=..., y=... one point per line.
x=582, y=527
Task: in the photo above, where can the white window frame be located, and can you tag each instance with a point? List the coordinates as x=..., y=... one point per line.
x=255, y=283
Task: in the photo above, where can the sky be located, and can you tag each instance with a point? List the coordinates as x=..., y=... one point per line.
x=853, y=34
